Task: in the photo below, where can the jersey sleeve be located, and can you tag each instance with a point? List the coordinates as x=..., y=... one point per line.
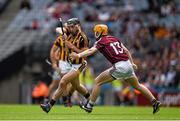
x=99, y=44
x=57, y=42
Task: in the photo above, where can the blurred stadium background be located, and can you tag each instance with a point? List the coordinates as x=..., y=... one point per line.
x=149, y=28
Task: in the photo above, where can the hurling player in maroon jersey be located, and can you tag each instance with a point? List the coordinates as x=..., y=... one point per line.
x=123, y=66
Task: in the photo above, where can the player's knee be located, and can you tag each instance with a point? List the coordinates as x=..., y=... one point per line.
x=63, y=84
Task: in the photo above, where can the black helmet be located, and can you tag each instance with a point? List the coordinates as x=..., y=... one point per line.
x=73, y=21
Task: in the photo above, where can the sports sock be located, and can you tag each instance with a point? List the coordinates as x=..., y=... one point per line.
x=70, y=94
x=64, y=98
x=90, y=104
x=52, y=102
x=87, y=95
x=153, y=101
x=69, y=98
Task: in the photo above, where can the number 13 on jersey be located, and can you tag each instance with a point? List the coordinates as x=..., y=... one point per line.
x=116, y=47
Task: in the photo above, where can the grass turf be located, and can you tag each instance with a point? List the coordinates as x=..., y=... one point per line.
x=34, y=112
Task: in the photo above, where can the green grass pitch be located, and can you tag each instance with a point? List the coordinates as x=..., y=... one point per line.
x=33, y=112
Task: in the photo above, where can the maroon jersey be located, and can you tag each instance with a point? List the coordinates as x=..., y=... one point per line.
x=111, y=48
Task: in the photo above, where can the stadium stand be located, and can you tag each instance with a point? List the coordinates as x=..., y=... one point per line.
x=3, y=4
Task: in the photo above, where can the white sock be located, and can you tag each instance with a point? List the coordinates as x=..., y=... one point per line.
x=90, y=104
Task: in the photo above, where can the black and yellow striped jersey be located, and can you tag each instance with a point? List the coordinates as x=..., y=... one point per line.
x=63, y=54
x=79, y=41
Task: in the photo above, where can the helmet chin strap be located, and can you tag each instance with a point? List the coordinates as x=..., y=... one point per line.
x=99, y=36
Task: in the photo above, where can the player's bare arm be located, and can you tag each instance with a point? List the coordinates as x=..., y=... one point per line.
x=53, y=57
x=72, y=47
x=129, y=55
x=53, y=52
x=85, y=53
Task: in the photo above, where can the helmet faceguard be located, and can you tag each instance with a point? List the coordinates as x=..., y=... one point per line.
x=73, y=21
x=72, y=25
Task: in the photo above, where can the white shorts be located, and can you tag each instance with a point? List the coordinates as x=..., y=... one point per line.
x=65, y=67
x=122, y=70
x=56, y=76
